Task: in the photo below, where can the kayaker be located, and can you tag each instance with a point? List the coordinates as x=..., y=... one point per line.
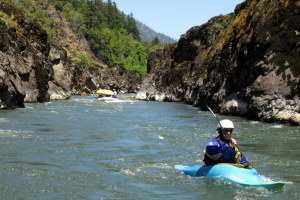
x=223, y=148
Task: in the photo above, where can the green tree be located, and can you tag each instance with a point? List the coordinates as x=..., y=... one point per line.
x=112, y=35
x=132, y=27
x=155, y=41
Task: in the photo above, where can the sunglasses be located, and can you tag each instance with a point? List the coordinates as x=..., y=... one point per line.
x=228, y=130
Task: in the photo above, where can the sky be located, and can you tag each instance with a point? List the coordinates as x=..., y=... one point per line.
x=174, y=17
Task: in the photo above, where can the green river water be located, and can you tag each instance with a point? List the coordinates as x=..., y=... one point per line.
x=85, y=149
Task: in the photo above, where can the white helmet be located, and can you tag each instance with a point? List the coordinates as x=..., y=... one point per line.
x=226, y=123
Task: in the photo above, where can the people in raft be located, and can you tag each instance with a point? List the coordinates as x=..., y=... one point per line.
x=115, y=93
x=223, y=148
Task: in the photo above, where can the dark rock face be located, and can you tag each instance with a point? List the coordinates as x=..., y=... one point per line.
x=245, y=63
x=24, y=69
x=31, y=70
x=89, y=78
x=61, y=80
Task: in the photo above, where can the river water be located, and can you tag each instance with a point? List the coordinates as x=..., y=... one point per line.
x=85, y=149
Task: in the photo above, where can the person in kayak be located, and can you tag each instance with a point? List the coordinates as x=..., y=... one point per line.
x=223, y=148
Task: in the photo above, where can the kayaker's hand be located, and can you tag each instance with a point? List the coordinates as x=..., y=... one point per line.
x=233, y=142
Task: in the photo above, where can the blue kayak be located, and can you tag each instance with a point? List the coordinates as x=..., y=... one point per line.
x=234, y=173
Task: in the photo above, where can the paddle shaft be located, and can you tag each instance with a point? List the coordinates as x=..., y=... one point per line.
x=240, y=150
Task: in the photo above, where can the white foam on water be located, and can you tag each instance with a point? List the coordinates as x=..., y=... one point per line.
x=128, y=172
x=3, y=120
x=84, y=100
x=161, y=137
x=254, y=122
x=119, y=101
x=15, y=133
x=158, y=165
x=277, y=126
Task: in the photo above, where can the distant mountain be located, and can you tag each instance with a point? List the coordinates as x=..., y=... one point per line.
x=148, y=34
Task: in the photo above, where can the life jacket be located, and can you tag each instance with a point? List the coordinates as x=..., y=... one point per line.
x=218, y=151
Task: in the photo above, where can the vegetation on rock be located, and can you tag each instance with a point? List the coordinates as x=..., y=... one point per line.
x=111, y=36
x=244, y=63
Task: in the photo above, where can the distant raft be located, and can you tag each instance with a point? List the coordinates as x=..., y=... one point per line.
x=105, y=92
x=233, y=173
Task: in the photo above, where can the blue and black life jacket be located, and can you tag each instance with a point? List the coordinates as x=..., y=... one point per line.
x=219, y=151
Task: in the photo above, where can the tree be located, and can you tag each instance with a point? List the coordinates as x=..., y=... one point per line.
x=112, y=35
x=132, y=27
x=155, y=41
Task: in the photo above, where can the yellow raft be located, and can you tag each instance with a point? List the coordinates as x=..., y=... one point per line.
x=105, y=92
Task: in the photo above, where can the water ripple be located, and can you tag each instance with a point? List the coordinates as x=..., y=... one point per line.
x=86, y=149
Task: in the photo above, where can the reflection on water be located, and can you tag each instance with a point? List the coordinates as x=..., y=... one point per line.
x=37, y=163
x=86, y=149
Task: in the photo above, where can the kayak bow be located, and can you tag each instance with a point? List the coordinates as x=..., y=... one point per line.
x=232, y=173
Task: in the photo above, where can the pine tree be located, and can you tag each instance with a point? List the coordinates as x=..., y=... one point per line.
x=155, y=41
x=132, y=27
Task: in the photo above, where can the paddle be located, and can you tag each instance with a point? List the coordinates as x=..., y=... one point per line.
x=240, y=150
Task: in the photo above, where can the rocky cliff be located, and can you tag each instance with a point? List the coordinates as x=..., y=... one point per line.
x=31, y=70
x=245, y=63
